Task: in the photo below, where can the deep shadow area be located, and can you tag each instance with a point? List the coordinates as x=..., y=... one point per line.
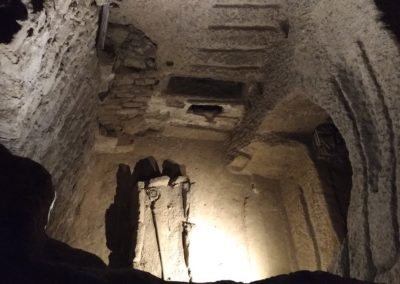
x=10, y=13
x=331, y=157
x=390, y=15
x=37, y=5
x=26, y=195
x=205, y=87
x=208, y=111
x=121, y=220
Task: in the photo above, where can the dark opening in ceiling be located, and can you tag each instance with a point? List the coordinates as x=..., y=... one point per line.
x=205, y=87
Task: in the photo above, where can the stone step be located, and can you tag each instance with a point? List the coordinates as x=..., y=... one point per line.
x=137, y=96
x=131, y=88
x=231, y=49
x=253, y=2
x=247, y=17
x=249, y=38
x=230, y=58
x=245, y=27
x=228, y=67
x=247, y=5
x=187, y=132
x=232, y=73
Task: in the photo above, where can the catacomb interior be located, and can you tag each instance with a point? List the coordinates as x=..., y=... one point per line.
x=206, y=140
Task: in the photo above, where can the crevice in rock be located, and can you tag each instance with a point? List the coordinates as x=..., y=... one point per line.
x=186, y=226
x=310, y=227
x=154, y=195
x=364, y=126
x=392, y=148
x=365, y=188
x=294, y=262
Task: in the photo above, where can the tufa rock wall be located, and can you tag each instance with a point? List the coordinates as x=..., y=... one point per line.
x=341, y=57
x=348, y=64
x=48, y=83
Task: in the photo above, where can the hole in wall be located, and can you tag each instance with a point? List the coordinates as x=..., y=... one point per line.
x=208, y=111
x=73, y=4
x=151, y=63
x=108, y=130
x=285, y=27
x=103, y=95
x=30, y=32
x=205, y=87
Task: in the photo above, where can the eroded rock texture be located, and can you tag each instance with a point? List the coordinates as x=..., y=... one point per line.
x=48, y=85
x=357, y=88
x=247, y=82
x=348, y=65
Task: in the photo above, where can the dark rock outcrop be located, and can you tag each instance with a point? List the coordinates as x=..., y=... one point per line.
x=26, y=196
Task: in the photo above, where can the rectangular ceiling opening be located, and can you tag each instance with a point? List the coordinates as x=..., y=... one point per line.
x=205, y=87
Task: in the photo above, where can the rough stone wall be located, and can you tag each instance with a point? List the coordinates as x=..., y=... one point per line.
x=306, y=204
x=208, y=38
x=265, y=95
x=306, y=200
x=341, y=57
x=349, y=65
x=48, y=81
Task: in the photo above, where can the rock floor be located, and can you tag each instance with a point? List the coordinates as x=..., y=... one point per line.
x=239, y=230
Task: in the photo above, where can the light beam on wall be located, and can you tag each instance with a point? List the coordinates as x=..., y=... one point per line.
x=216, y=254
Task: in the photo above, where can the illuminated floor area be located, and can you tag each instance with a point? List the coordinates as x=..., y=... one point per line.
x=240, y=229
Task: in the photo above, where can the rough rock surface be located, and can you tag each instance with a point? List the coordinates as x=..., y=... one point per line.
x=341, y=57
x=48, y=82
x=314, y=58
x=357, y=63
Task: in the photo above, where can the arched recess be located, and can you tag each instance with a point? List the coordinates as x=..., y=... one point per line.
x=314, y=186
x=362, y=117
x=353, y=74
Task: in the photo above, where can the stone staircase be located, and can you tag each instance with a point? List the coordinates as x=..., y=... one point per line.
x=239, y=37
x=223, y=40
